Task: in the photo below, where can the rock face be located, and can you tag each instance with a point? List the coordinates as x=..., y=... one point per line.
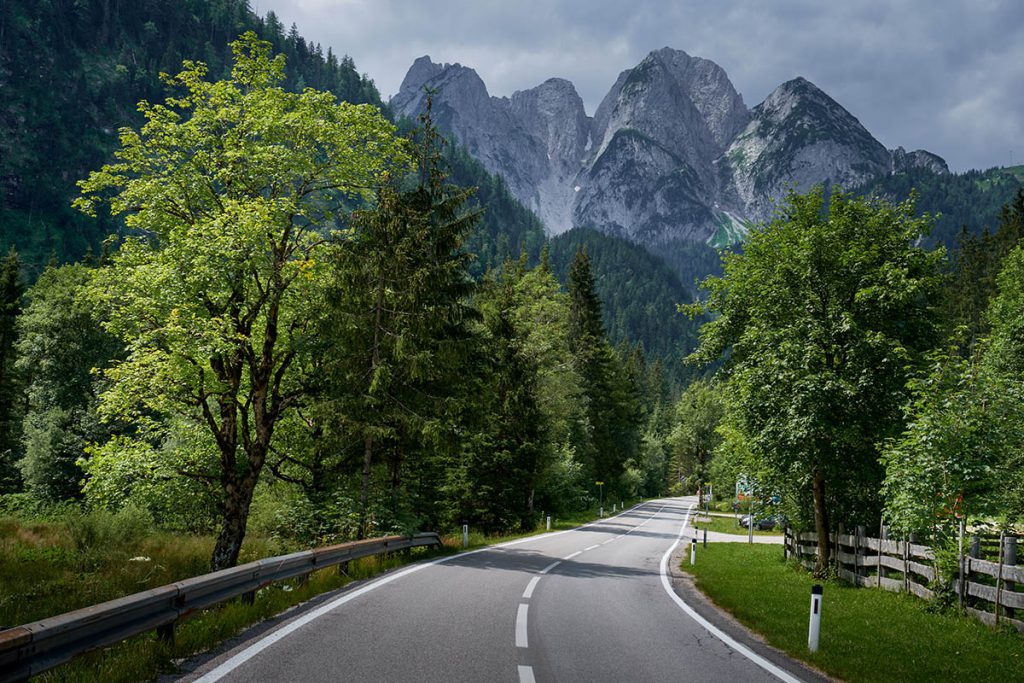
x=797, y=137
x=671, y=153
x=903, y=161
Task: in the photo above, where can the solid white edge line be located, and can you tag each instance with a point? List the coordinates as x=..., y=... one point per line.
x=528, y=593
x=526, y=674
x=521, y=615
x=757, y=659
x=260, y=645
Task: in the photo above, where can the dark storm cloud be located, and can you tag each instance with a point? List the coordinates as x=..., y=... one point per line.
x=946, y=76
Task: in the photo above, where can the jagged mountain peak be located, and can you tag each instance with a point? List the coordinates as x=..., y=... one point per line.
x=672, y=152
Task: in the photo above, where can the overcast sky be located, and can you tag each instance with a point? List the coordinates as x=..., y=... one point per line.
x=943, y=75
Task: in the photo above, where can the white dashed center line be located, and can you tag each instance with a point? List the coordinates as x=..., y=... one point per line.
x=521, y=625
x=528, y=593
x=526, y=674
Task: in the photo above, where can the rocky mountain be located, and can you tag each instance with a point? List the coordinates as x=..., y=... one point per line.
x=671, y=154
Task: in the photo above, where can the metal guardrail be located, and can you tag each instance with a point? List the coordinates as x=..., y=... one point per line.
x=33, y=648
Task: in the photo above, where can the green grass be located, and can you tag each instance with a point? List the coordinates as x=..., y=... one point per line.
x=729, y=525
x=51, y=567
x=866, y=634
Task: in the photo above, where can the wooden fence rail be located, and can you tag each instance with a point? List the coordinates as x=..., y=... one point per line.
x=33, y=648
x=989, y=591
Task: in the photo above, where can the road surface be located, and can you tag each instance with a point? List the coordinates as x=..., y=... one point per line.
x=596, y=603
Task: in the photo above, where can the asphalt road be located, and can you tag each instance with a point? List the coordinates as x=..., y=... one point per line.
x=595, y=603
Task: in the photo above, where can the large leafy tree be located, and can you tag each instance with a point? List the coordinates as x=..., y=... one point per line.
x=1004, y=359
x=228, y=190
x=825, y=313
x=695, y=437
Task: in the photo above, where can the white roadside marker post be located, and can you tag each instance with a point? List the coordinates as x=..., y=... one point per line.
x=549, y=522
x=465, y=535
x=814, y=629
x=693, y=551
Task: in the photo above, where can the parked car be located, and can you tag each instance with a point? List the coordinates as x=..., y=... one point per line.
x=764, y=523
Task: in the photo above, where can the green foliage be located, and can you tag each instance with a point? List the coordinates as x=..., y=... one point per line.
x=942, y=465
x=970, y=202
x=696, y=436
x=218, y=293
x=398, y=294
x=611, y=400
x=639, y=296
x=825, y=316
x=976, y=265
x=61, y=343
x=71, y=74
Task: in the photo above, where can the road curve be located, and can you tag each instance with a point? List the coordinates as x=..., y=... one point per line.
x=594, y=603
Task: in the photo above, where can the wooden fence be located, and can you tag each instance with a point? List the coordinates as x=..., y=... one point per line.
x=988, y=590
x=33, y=648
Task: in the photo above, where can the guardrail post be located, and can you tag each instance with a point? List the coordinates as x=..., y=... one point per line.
x=343, y=568
x=249, y=598
x=166, y=633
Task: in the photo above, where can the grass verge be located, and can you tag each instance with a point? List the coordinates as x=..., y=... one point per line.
x=866, y=634
x=44, y=572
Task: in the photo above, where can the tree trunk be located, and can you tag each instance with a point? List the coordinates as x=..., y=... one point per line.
x=237, y=499
x=364, y=491
x=821, y=524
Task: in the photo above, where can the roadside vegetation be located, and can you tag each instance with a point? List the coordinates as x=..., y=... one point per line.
x=76, y=559
x=867, y=635
x=730, y=525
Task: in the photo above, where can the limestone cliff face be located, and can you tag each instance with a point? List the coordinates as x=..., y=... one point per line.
x=797, y=137
x=671, y=153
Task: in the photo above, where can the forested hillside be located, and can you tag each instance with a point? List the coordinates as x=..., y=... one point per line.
x=640, y=294
x=72, y=73
x=970, y=201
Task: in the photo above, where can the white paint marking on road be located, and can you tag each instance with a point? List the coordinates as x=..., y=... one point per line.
x=596, y=545
x=526, y=674
x=757, y=659
x=521, y=625
x=569, y=557
x=262, y=644
x=528, y=593
x=550, y=567
x=608, y=541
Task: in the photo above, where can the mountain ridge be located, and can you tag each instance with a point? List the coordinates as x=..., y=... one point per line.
x=671, y=153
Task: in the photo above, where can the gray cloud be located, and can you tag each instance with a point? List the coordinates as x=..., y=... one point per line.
x=945, y=76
